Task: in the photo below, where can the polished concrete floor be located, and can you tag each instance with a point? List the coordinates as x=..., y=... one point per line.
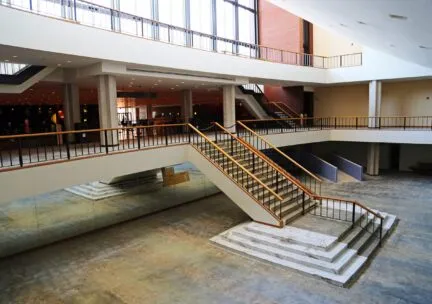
x=167, y=258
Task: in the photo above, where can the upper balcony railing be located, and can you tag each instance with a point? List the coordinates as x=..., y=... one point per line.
x=9, y=68
x=90, y=14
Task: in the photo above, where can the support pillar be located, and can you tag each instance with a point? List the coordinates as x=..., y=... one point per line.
x=374, y=103
x=107, y=100
x=187, y=110
x=71, y=106
x=229, y=113
x=373, y=157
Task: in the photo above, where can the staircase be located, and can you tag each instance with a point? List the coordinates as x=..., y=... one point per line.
x=337, y=257
x=277, y=110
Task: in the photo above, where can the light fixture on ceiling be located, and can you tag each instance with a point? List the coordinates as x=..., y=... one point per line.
x=69, y=61
x=6, y=60
x=177, y=85
x=392, y=45
x=182, y=82
x=133, y=78
x=398, y=17
x=172, y=88
x=156, y=84
x=159, y=80
x=59, y=64
x=361, y=22
x=15, y=56
x=425, y=47
x=343, y=25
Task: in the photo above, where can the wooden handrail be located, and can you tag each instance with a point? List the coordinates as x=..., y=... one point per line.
x=280, y=152
x=234, y=161
x=278, y=105
x=270, y=162
x=87, y=131
x=350, y=201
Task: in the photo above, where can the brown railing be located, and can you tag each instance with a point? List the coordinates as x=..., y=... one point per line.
x=29, y=149
x=288, y=125
x=90, y=14
x=268, y=198
x=306, y=178
x=350, y=211
x=285, y=109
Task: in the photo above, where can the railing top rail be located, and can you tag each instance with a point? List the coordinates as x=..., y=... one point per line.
x=352, y=202
x=137, y=17
x=333, y=117
x=234, y=161
x=280, y=152
x=88, y=131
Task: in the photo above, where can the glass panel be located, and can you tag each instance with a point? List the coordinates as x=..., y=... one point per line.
x=172, y=12
x=246, y=31
x=93, y=15
x=49, y=8
x=247, y=3
x=140, y=8
x=130, y=22
x=225, y=25
x=201, y=21
x=18, y=3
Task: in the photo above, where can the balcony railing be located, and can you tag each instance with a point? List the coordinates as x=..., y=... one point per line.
x=90, y=14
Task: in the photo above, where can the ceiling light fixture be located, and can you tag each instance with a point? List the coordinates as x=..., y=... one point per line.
x=361, y=22
x=6, y=60
x=59, y=64
x=398, y=17
x=343, y=25
x=159, y=80
x=69, y=61
x=15, y=56
x=425, y=47
x=182, y=82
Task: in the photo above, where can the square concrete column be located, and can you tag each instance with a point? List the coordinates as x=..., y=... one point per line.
x=107, y=100
x=373, y=159
x=71, y=106
x=374, y=103
x=229, y=113
x=187, y=110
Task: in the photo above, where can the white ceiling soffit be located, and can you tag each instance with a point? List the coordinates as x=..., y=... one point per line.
x=402, y=28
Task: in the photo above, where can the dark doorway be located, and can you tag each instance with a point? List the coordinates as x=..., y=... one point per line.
x=307, y=43
x=308, y=103
x=394, y=156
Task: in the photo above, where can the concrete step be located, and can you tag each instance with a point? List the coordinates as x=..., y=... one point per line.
x=257, y=245
x=295, y=249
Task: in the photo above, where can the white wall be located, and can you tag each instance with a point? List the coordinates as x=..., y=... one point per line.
x=329, y=44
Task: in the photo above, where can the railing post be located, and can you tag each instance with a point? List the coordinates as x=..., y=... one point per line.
x=381, y=230
x=166, y=135
x=106, y=141
x=356, y=122
x=232, y=139
x=67, y=148
x=189, y=133
x=215, y=130
x=303, y=203
x=340, y=61
x=379, y=122
x=138, y=136
x=353, y=214
x=335, y=122
x=20, y=156
x=321, y=121
x=404, y=126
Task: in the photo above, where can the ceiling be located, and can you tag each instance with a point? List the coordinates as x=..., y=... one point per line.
x=398, y=27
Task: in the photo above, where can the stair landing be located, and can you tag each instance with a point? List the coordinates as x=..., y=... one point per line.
x=331, y=257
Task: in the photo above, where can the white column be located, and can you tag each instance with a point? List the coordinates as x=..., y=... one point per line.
x=373, y=157
x=374, y=103
x=229, y=114
x=373, y=154
x=71, y=106
x=107, y=100
x=187, y=110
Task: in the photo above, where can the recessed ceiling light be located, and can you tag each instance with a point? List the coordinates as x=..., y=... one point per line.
x=6, y=60
x=69, y=61
x=156, y=84
x=361, y=22
x=159, y=80
x=14, y=56
x=182, y=82
x=172, y=88
x=177, y=85
x=133, y=78
x=343, y=25
x=425, y=47
x=398, y=17
x=392, y=45
x=58, y=64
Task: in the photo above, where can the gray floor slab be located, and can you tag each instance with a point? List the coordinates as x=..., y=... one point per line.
x=167, y=258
